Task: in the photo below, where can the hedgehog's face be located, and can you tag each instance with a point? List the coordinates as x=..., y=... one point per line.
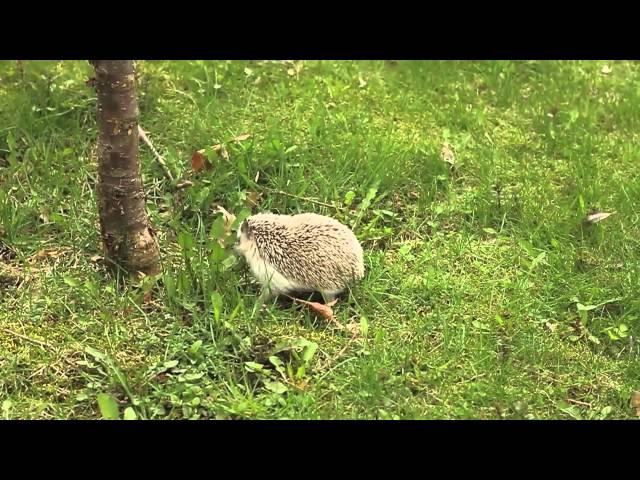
x=243, y=240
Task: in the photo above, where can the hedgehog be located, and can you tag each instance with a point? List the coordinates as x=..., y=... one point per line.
x=300, y=253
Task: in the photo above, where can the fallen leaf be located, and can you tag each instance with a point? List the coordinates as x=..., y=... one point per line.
x=363, y=82
x=199, y=162
x=130, y=414
x=324, y=310
x=597, y=217
x=183, y=184
x=551, y=326
x=447, y=154
x=606, y=70
x=219, y=149
x=635, y=402
x=248, y=72
x=96, y=258
x=108, y=406
x=253, y=199
x=229, y=218
x=275, y=386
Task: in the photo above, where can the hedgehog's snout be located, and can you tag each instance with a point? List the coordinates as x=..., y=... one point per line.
x=238, y=244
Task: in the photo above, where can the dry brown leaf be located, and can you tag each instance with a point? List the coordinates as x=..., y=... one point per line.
x=323, y=310
x=96, y=258
x=597, y=217
x=229, y=218
x=447, y=154
x=199, y=162
x=253, y=199
x=606, y=70
x=363, y=82
x=219, y=148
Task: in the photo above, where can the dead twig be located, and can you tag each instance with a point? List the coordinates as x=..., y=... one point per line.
x=184, y=184
x=159, y=158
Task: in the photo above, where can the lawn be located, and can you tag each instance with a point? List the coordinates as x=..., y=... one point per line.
x=488, y=293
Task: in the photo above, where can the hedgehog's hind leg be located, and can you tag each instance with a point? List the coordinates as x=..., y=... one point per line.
x=265, y=295
x=268, y=293
x=330, y=295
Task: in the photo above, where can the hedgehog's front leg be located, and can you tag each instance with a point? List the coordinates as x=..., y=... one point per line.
x=263, y=300
x=265, y=295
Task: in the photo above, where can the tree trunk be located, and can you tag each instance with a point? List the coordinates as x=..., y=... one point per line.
x=126, y=232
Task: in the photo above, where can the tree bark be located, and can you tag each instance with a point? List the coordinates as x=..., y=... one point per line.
x=127, y=236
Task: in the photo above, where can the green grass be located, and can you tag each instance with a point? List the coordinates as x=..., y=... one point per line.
x=472, y=305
